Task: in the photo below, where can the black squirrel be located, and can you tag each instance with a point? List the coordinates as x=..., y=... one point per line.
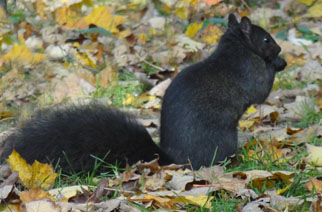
x=203, y=104
x=200, y=112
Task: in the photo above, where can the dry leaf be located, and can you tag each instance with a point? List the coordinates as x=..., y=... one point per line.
x=201, y=200
x=192, y=29
x=189, y=44
x=22, y=54
x=315, y=155
x=315, y=184
x=67, y=192
x=246, y=124
x=182, y=12
x=101, y=16
x=316, y=10
x=41, y=205
x=211, y=34
x=34, y=195
x=32, y=176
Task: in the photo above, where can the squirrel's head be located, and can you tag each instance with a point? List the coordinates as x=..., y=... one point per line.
x=255, y=37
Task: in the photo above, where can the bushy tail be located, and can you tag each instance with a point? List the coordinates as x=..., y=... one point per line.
x=74, y=134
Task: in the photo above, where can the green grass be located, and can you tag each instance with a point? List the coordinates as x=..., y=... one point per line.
x=222, y=201
x=316, y=141
x=309, y=115
x=286, y=80
x=117, y=92
x=91, y=178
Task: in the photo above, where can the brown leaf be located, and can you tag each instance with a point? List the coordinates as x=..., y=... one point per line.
x=314, y=183
x=35, y=194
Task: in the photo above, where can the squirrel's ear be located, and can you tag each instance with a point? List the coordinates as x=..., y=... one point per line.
x=232, y=21
x=246, y=25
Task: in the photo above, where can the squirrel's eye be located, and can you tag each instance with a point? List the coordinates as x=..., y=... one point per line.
x=266, y=40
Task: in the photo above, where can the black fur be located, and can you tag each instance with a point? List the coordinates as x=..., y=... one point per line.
x=200, y=111
x=204, y=102
x=80, y=131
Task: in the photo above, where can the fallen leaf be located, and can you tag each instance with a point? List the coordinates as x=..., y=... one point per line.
x=189, y=44
x=35, y=194
x=32, y=176
x=315, y=184
x=42, y=205
x=201, y=200
x=246, y=124
x=315, y=155
x=211, y=34
x=307, y=2
x=67, y=192
x=20, y=53
x=101, y=16
x=251, y=109
x=192, y=29
x=181, y=12
x=157, y=23
x=316, y=10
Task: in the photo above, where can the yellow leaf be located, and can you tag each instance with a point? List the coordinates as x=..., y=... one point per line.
x=152, y=31
x=201, y=200
x=164, y=202
x=102, y=17
x=166, y=9
x=246, y=124
x=21, y=38
x=37, y=175
x=43, y=175
x=315, y=155
x=22, y=54
x=19, y=164
x=211, y=34
x=129, y=99
x=192, y=29
x=63, y=194
x=34, y=195
x=251, y=109
x=145, y=98
x=85, y=59
x=316, y=10
x=182, y=12
x=283, y=190
x=194, y=2
x=67, y=16
x=270, y=180
x=142, y=37
x=124, y=33
x=307, y=2
x=40, y=8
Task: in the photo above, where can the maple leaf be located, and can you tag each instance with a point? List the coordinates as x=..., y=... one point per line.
x=32, y=176
x=22, y=54
x=102, y=17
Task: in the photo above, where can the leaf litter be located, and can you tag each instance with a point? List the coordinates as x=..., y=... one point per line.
x=73, y=49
